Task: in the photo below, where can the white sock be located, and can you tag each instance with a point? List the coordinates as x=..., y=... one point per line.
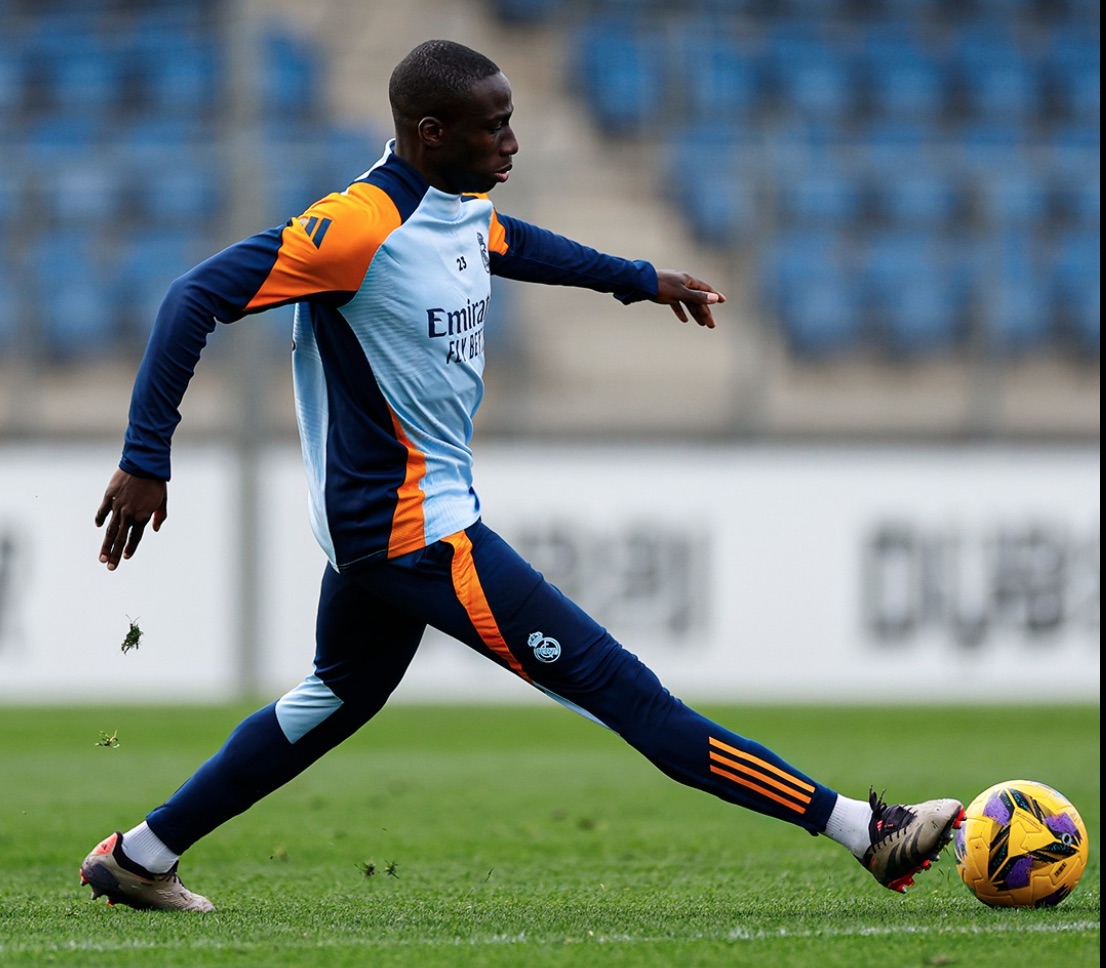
x=145, y=848
x=848, y=824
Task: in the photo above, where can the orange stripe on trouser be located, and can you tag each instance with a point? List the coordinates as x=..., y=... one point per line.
x=470, y=593
x=744, y=763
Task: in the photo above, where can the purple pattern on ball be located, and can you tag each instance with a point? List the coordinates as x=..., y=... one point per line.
x=1019, y=873
x=1060, y=824
x=997, y=811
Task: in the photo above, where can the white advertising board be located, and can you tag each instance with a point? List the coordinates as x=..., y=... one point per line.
x=748, y=574
x=63, y=616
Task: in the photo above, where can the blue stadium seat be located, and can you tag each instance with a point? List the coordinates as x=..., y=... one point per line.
x=146, y=136
x=58, y=27
x=1074, y=150
x=804, y=278
x=914, y=293
x=1076, y=287
x=1073, y=68
x=90, y=77
x=641, y=9
x=184, y=189
x=1081, y=200
x=303, y=163
x=927, y=319
x=1014, y=302
x=621, y=72
x=823, y=316
x=915, y=196
x=1085, y=12
x=181, y=74
x=291, y=188
x=12, y=79
x=822, y=193
x=720, y=79
x=727, y=7
x=71, y=297
x=89, y=193
x=902, y=77
x=801, y=8
x=291, y=81
x=9, y=310
x=12, y=197
x=798, y=141
x=916, y=9
x=165, y=19
x=998, y=77
x=720, y=205
x=147, y=145
x=348, y=151
x=1003, y=10
x=811, y=76
x=706, y=178
x=67, y=175
x=147, y=263
x=791, y=256
x=988, y=145
x=1014, y=195
x=889, y=146
x=528, y=11
x=62, y=138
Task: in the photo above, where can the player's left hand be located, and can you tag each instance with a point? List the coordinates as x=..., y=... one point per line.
x=686, y=294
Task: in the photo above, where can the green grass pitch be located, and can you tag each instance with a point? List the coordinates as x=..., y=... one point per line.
x=526, y=837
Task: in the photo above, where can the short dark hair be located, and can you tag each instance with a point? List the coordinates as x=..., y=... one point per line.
x=434, y=78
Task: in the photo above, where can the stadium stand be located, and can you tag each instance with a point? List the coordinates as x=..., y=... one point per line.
x=112, y=131
x=71, y=287
x=8, y=312
x=1076, y=287
x=963, y=128
x=897, y=180
x=900, y=77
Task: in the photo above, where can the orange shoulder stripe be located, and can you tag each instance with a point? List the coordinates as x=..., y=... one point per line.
x=330, y=246
x=498, y=235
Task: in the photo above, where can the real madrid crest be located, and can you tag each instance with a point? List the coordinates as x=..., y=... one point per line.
x=484, y=252
x=545, y=648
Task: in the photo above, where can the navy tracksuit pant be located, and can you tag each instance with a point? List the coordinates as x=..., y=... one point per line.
x=476, y=588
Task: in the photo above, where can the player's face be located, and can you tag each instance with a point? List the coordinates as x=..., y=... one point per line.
x=478, y=144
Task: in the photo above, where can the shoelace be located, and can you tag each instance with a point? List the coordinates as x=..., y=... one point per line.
x=885, y=819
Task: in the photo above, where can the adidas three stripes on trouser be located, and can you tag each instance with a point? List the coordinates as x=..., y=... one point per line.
x=476, y=588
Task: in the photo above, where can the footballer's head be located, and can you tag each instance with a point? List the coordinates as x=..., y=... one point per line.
x=452, y=111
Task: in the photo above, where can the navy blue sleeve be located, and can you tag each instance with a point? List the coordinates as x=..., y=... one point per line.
x=535, y=254
x=218, y=289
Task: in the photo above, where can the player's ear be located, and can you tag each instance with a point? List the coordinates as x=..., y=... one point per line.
x=431, y=131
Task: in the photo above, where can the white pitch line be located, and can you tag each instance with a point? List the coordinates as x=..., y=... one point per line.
x=586, y=937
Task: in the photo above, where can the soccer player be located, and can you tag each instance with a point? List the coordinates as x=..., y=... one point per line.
x=391, y=279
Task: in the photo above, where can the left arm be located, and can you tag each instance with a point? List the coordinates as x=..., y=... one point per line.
x=687, y=294
x=528, y=253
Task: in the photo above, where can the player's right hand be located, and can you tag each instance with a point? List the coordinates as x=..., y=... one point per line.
x=128, y=506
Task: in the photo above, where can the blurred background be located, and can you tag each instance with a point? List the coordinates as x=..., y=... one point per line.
x=900, y=198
